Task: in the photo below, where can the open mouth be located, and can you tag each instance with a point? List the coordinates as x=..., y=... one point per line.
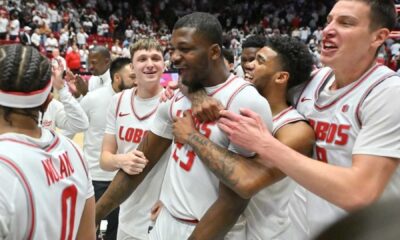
x=248, y=77
x=328, y=46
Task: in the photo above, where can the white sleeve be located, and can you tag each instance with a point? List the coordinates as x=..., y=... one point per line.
x=380, y=118
x=13, y=206
x=256, y=103
x=71, y=117
x=111, y=115
x=162, y=123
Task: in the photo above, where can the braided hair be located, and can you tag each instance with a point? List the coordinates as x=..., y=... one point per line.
x=22, y=69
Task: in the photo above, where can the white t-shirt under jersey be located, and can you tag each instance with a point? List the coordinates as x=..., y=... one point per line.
x=44, y=183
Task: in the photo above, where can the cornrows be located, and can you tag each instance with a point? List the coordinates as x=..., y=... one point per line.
x=23, y=68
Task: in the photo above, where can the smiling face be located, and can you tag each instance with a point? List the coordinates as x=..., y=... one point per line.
x=348, y=38
x=248, y=55
x=190, y=55
x=148, y=66
x=265, y=68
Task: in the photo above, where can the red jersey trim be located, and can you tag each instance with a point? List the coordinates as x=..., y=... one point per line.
x=28, y=189
x=312, y=77
x=359, y=82
x=80, y=158
x=277, y=117
x=290, y=120
x=240, y=88
x=141, y=118
x=118, y=104
x=365, y=95
x=226, y=83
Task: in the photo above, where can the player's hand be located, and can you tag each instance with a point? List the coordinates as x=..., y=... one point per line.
x=205, y=108
x=81, y=85
x=56, y=75
x=243, y=129
x=169, y=91
x=155, y=210
x=133, y=162
x=183, y=127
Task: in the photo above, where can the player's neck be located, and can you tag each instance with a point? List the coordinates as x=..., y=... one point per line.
x=20, y=124
x=148, y=91
x=217, y=76
x=348, y=74
x=276, y=99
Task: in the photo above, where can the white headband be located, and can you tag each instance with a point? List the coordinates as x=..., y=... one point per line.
x=25, y=99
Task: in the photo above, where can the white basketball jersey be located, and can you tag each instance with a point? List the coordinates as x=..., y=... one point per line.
x=55, y=185
x=267, y=213
x=190, y=188
x=133, y=117
x=335, y=117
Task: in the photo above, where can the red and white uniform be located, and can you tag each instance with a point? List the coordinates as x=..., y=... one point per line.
x=267, y=213
x=129, y=117
x=45, y=185
x=360, y=118
x=189, y=187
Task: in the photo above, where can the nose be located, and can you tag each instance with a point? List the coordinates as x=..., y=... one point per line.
x=175, y=57
x=329, y=30
x=249, y=65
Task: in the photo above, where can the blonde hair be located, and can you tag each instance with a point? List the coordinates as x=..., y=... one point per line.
x=145, y=44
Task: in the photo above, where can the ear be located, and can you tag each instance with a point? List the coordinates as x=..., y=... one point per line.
x=46, y=103
x=117, y=78
x=281, y=78
x=215, y=51
x=379, y=37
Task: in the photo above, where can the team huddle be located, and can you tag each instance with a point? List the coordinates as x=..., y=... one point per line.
x=282, y=153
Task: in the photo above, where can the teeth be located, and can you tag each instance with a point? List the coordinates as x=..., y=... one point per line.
x=329, y=45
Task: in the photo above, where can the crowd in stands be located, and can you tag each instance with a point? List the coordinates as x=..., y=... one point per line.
x=73, y=27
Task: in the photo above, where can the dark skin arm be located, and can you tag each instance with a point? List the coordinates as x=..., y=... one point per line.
x=244, y=177
x=123, y=184
x=226, y=209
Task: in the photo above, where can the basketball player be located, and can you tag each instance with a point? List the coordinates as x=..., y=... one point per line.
x=95, y=105
x=352, y=105
x=250, y=47
x=46, y=191
x=129, y=117
x=197, y=43
x=279, y=65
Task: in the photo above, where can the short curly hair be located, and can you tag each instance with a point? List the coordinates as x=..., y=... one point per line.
x=294, y=56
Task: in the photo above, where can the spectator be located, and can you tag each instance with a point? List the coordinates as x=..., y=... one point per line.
x=73, y=59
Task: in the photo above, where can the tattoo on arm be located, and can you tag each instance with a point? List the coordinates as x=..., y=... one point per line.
x=221, y=162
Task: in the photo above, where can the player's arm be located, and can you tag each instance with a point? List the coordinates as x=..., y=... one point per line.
x=375, y=155
x=132, y=162
x=71, y=117
x=245, y=177
x=221, y=216
x=87, y=227
x=123, y=184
